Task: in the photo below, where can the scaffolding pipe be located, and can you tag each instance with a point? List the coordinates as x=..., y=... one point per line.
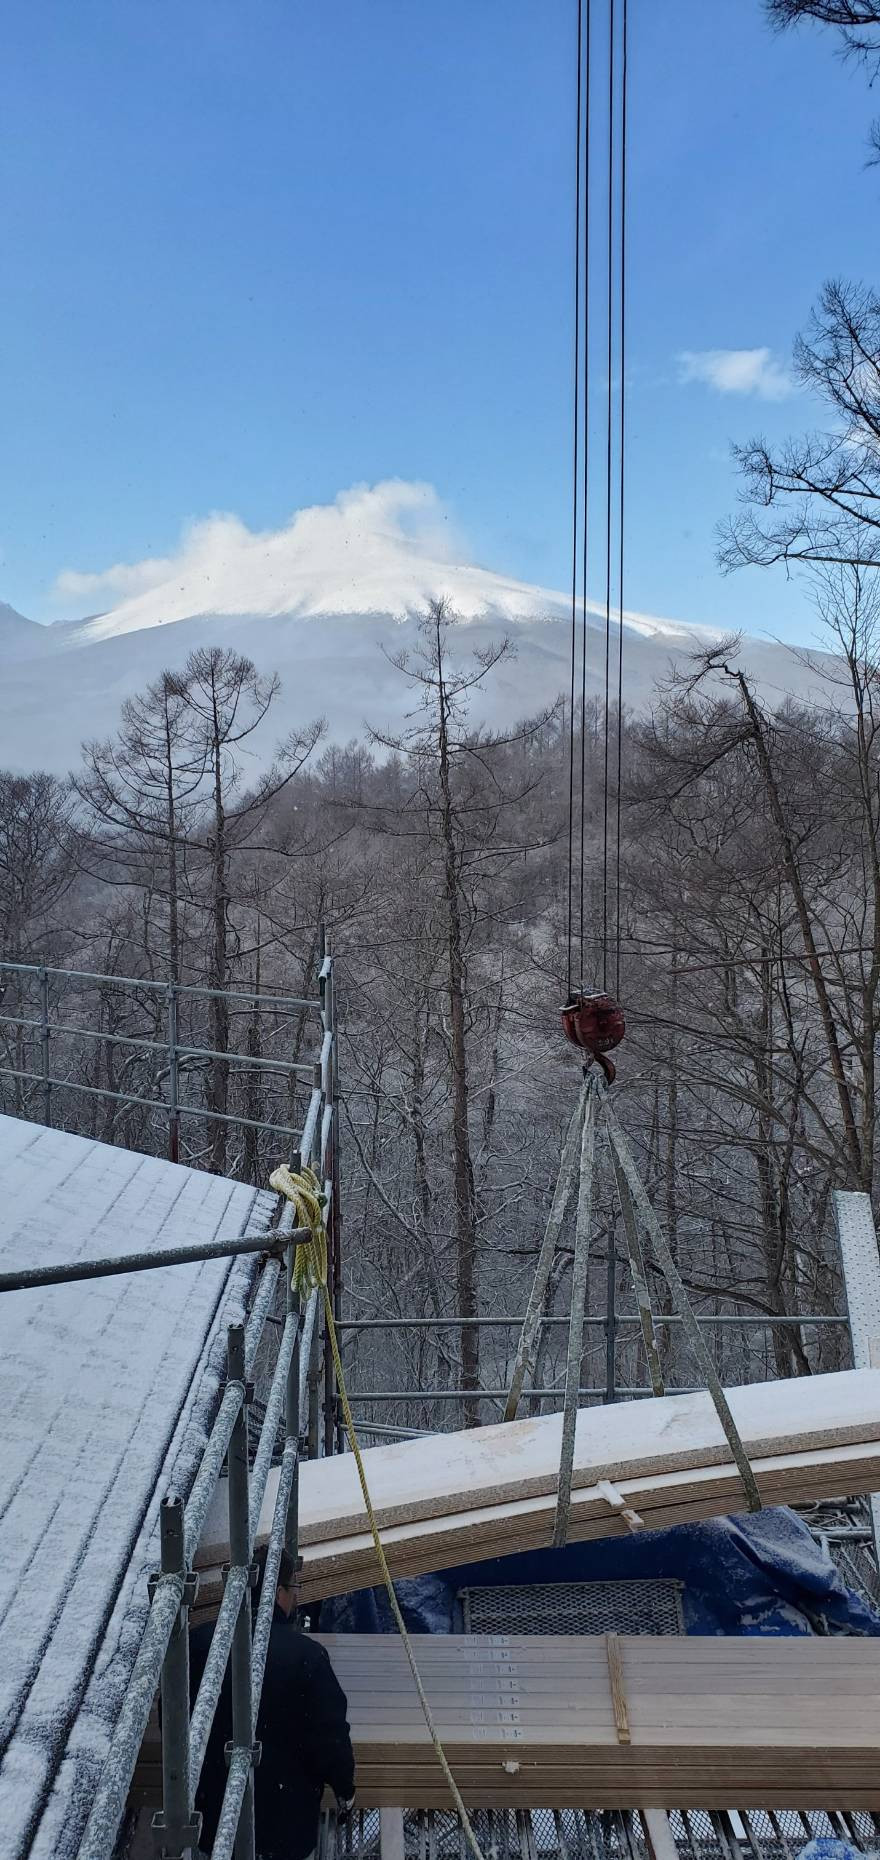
x=140, y=981
x=240, y=1772
x=208, y=1474
x=151, y=1104
x=212, y=1678
x=271, y=1419
x=221, y=1640
x=307, y=1135
x=44, y=1046
x=32, y=1277
x=432, y=1395
x=159, y=1046
x=175, y=1826
x=240, y=1559
x=291, y=1399
x=274, y=1548
x=173, y=1094
x=237, y=1779
x=260, y=1310
x=627, y=1317
x=111, y=1793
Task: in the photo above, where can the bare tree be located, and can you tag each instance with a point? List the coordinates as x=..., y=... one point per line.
x=140, y=794
x=35, y=868
x=226, y=701
x=816, y=499
x=458, y=801
x=857, y=20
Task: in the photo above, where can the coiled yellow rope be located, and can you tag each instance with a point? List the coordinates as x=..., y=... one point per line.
x=310, y=1274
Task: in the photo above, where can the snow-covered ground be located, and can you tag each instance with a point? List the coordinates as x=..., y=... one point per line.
x=106, y=1390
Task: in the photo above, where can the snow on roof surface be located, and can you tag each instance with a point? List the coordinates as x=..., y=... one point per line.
x=107, y=1388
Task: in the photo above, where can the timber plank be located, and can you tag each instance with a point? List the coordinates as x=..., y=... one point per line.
x=349, y=1564
x=512, y=1462
x=710, y=1720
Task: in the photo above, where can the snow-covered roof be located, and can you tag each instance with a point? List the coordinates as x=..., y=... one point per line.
x=107, y=1388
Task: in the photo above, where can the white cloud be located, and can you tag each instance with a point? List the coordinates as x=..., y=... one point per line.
x=386, y=548
x=737, y=371
x=382, y=548
x=366, y=516
x=114, y=583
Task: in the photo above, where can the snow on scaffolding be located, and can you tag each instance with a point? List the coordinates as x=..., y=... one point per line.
x=107, y=1388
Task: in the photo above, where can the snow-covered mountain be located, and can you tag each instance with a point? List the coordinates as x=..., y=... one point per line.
x=19, y=638
x=322, y=601
x=379, y=550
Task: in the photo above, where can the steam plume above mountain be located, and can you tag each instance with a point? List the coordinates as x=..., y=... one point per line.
x=326, y=601
x=386, y=548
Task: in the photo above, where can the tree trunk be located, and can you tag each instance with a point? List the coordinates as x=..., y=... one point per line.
x=171, y=825
x=219, y=974
x=463, y=1170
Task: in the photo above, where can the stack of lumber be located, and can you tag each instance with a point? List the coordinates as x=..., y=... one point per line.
x=489, y=1492
x=601, y=1722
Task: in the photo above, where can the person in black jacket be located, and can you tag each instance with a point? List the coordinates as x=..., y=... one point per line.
x=303, y=1730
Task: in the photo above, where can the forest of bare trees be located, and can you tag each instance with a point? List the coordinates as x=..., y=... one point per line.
x=750, y=974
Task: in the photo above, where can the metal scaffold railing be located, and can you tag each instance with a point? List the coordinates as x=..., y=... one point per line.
x=613, y=1329
x=246, y=1445
x=74, y=1037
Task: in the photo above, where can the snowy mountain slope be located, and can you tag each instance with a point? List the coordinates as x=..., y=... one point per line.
x=336, y=667
x=20, y=638
x=322, y=601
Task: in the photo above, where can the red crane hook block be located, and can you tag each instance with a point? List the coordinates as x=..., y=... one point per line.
x=596, y=1024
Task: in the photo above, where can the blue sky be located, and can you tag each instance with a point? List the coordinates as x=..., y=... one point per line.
x=259, y=250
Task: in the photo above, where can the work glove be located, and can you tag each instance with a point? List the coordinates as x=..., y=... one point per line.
x=344, y=1808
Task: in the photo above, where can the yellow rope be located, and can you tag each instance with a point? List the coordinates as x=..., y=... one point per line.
x=307, y=1195
x=310, y=1271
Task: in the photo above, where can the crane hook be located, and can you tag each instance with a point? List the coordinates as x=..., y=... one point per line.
x=596, y=1024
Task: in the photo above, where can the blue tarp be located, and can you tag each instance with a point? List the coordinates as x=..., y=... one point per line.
x=760, y=1574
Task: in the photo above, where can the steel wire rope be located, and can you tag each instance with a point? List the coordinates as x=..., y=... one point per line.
x=574, y=496
x=609, y=463
x=622, y=487
x=586, y=474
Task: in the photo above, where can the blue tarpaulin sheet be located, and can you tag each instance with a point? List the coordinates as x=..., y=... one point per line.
x=758, y=1574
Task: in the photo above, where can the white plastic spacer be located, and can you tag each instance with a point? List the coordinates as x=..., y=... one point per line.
x=618, y=1503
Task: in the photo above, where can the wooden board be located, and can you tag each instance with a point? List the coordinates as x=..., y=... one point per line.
x=511, y=1463
x=529, y=1721
x=480, y=1535
x=336, y=1569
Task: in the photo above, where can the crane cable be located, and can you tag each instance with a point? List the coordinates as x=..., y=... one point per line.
x=621, y=488
x=575, y=510
x=613, y=492
x=609, y=513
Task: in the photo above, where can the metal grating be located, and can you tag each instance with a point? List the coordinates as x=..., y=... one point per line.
x=574, y=1834
x=641, y=1607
